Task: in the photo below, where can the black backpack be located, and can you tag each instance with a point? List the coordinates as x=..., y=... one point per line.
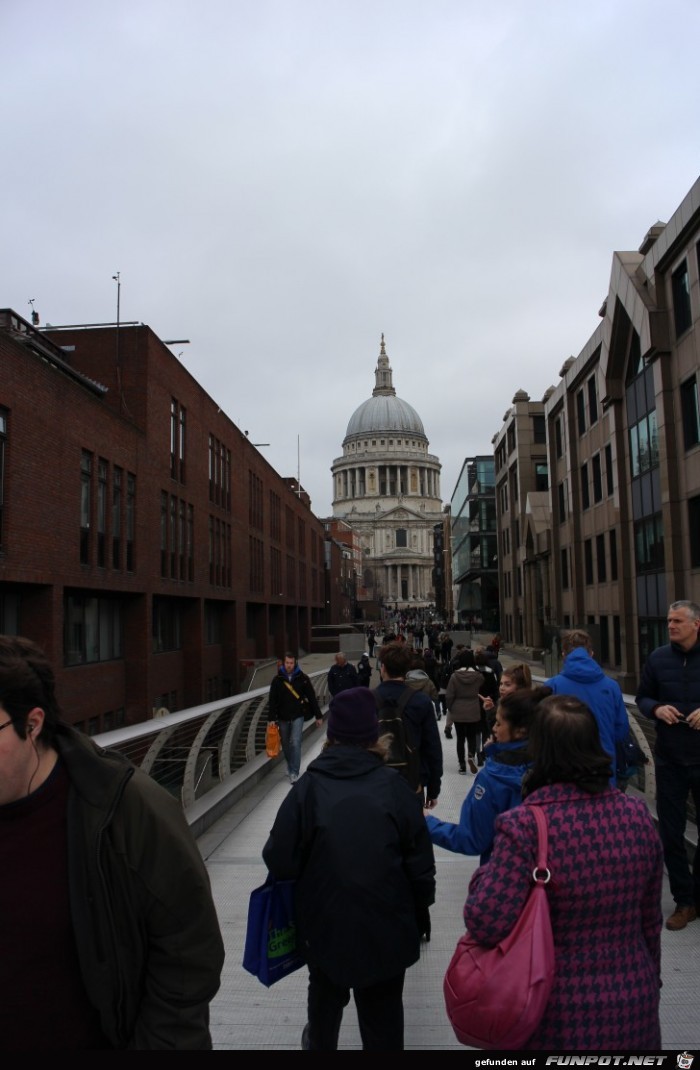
x=402, y=755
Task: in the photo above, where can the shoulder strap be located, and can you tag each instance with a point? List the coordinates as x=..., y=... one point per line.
x=541, y=874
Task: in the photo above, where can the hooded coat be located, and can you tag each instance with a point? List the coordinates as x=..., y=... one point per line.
x=353, y=835
x=583, y=677
x=497, y=788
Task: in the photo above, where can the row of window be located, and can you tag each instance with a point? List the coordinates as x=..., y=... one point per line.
x=93, y=628
x=586, y=415
x=107, y=514
x=592, y=478
x=279, y=586
x=176, y=538
x=593, y=552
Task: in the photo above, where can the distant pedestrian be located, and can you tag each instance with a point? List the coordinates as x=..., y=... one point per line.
x=342, y=675
x=364, y=671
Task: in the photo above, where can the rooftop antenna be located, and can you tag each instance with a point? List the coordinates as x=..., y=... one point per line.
x=298, y=470
x=118, y=279
x=35, y=314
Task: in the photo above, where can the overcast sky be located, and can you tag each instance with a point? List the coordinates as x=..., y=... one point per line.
x=281, y=181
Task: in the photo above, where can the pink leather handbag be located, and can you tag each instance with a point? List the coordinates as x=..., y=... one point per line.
x=496, y=996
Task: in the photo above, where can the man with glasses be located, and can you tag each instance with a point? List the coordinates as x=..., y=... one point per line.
x=669, y=694
x=109, y=936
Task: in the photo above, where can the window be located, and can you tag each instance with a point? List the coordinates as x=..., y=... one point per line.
x=275, y=572
x=680, y=287
x=600, y=557
x=163, y=534
x=539, y=431
x=609, y=469
x=178, y=427
x=588, y=560
x=255, y=501
x=219, y=473
x=597, y=479
x=116, y=517
x=617, y=641
x=644, y=445
x=649, y=544
x=564, y=569
x=604, y=641
x=585, y=492
x=592, y=401
x=85, y=505
x=3, y=441
x=275, y=517
x=213, y=627
x=130, y=520
x=101, y=512
x=190, y=542
x=558, y=438
x=167, y=625
x=92, y=629
x=172, y=538
x=690, y=413
x=581, y=412
x=694, y=531
x=612, y=541
x=541, y=476
x=256, y=576
x=401, y=537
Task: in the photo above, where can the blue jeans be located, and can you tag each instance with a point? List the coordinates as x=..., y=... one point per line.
x=290, y=734
x=673, y=783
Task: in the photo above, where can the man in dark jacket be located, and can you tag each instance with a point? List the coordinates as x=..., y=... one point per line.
x=342, y=675
x=419, y=716
x=109, y=938
x=353, y=836
x=669, y=694
x=292, y=701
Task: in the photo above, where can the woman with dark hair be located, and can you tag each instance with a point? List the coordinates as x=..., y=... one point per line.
x=606, y=867
x=498, y=785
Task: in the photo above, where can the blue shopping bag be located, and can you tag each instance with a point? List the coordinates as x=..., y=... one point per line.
x=271, y=948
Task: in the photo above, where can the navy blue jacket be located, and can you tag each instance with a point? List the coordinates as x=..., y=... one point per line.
x=671, y=677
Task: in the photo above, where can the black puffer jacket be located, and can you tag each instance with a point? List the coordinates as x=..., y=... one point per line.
x=352, y=832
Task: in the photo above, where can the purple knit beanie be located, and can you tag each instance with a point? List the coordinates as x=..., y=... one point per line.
x=352, y=717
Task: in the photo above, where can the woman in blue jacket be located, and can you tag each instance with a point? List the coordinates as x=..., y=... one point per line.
x=497, y=786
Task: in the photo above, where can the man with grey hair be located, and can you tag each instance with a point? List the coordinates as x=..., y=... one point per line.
x=669, y=694
x=583, y=677
x=342, y=675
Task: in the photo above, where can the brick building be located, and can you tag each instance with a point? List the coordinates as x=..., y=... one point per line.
x=145, y=543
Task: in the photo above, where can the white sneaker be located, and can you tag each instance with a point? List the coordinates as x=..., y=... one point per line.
x=293, y=777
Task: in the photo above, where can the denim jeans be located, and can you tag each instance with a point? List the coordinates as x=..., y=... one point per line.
x=290, y=734
x=673, y=784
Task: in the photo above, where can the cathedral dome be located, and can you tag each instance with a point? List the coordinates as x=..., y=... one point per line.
x=384, y=412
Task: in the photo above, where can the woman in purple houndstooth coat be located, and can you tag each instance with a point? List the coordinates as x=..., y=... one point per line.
x=606, y=863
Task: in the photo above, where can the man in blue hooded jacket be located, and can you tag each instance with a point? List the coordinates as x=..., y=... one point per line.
x=583, y=677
